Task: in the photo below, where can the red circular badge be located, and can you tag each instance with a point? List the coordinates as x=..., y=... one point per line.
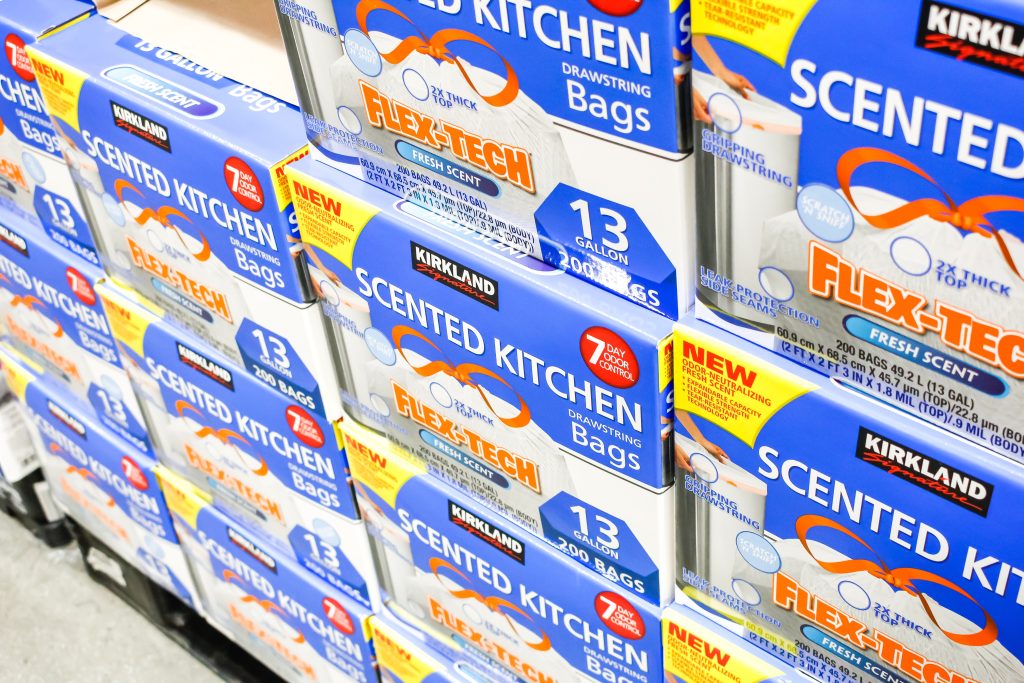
x=304, y=427
x=14, y=47
x=617, y=8
x=620, y=616
x=81, y=287
x=339, y=616
x=609, y=357
x=134, y=473
x=243, y=183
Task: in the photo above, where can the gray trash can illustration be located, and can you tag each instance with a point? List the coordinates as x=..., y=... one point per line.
x=747, y=163
x=308, y=48
x=725, y=503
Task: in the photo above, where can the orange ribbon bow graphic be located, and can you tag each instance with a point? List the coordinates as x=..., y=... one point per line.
x=464, y=373
x=446, y=573
x=437, y=46
x=27, y=300
x=30, y=302
x=225, y=435
x=900, y=578
x=82, y=472
x=269, y=606
x=161, y=216
x=970, y=216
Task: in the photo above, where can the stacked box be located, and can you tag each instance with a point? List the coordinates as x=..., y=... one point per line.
x=35, y=183
x=540, y=395
x=407, y=655
x=51, y=313
x=462, y=573
x=180, y=171
x=298, y=625
x=100, y=480
x=266, y=460
x=863, y=541
x=859, y=215
x=562, y=131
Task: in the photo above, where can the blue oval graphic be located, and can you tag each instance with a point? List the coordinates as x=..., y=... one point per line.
x=180, y=299
x=464, y=459
x=924, y=355
x=363, y=53
x=447, y=169
x=758, y=552
x=165, y=92
x=825, y=213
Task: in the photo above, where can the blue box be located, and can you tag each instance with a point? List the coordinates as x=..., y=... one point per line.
x=562, y=129
x=858, y=214
x=464, y=575
x=266, y=460
x=100, y=480
x=298, y=625
x=181, y=172
x=542, y=396
x=35, y=182
x=860, y=540
x=52, y=314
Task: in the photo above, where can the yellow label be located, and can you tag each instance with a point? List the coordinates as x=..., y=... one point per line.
x=764, y=26
x=664, y=363
x=277, y=172
x=696, y=653
x=329, y=219
x=731, y=388
x=66, y=24
x=60, y=84
x=128, y=322
x=183, y=499
x=18, y=371
x=399, y=657
x=376, y=463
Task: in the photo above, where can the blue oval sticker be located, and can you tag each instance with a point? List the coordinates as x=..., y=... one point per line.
x=464, y=459
x=164, y=92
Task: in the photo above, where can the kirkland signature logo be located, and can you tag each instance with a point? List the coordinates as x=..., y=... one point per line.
x=455, y=275
x=13, y=240
x=140, y=126
x=970, y=36
x=202, y=364
x=253, y=550
x=481, y=528
x=925, y=471
x=66, y=418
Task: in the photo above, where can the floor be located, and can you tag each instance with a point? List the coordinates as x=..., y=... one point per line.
x=58, y=626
